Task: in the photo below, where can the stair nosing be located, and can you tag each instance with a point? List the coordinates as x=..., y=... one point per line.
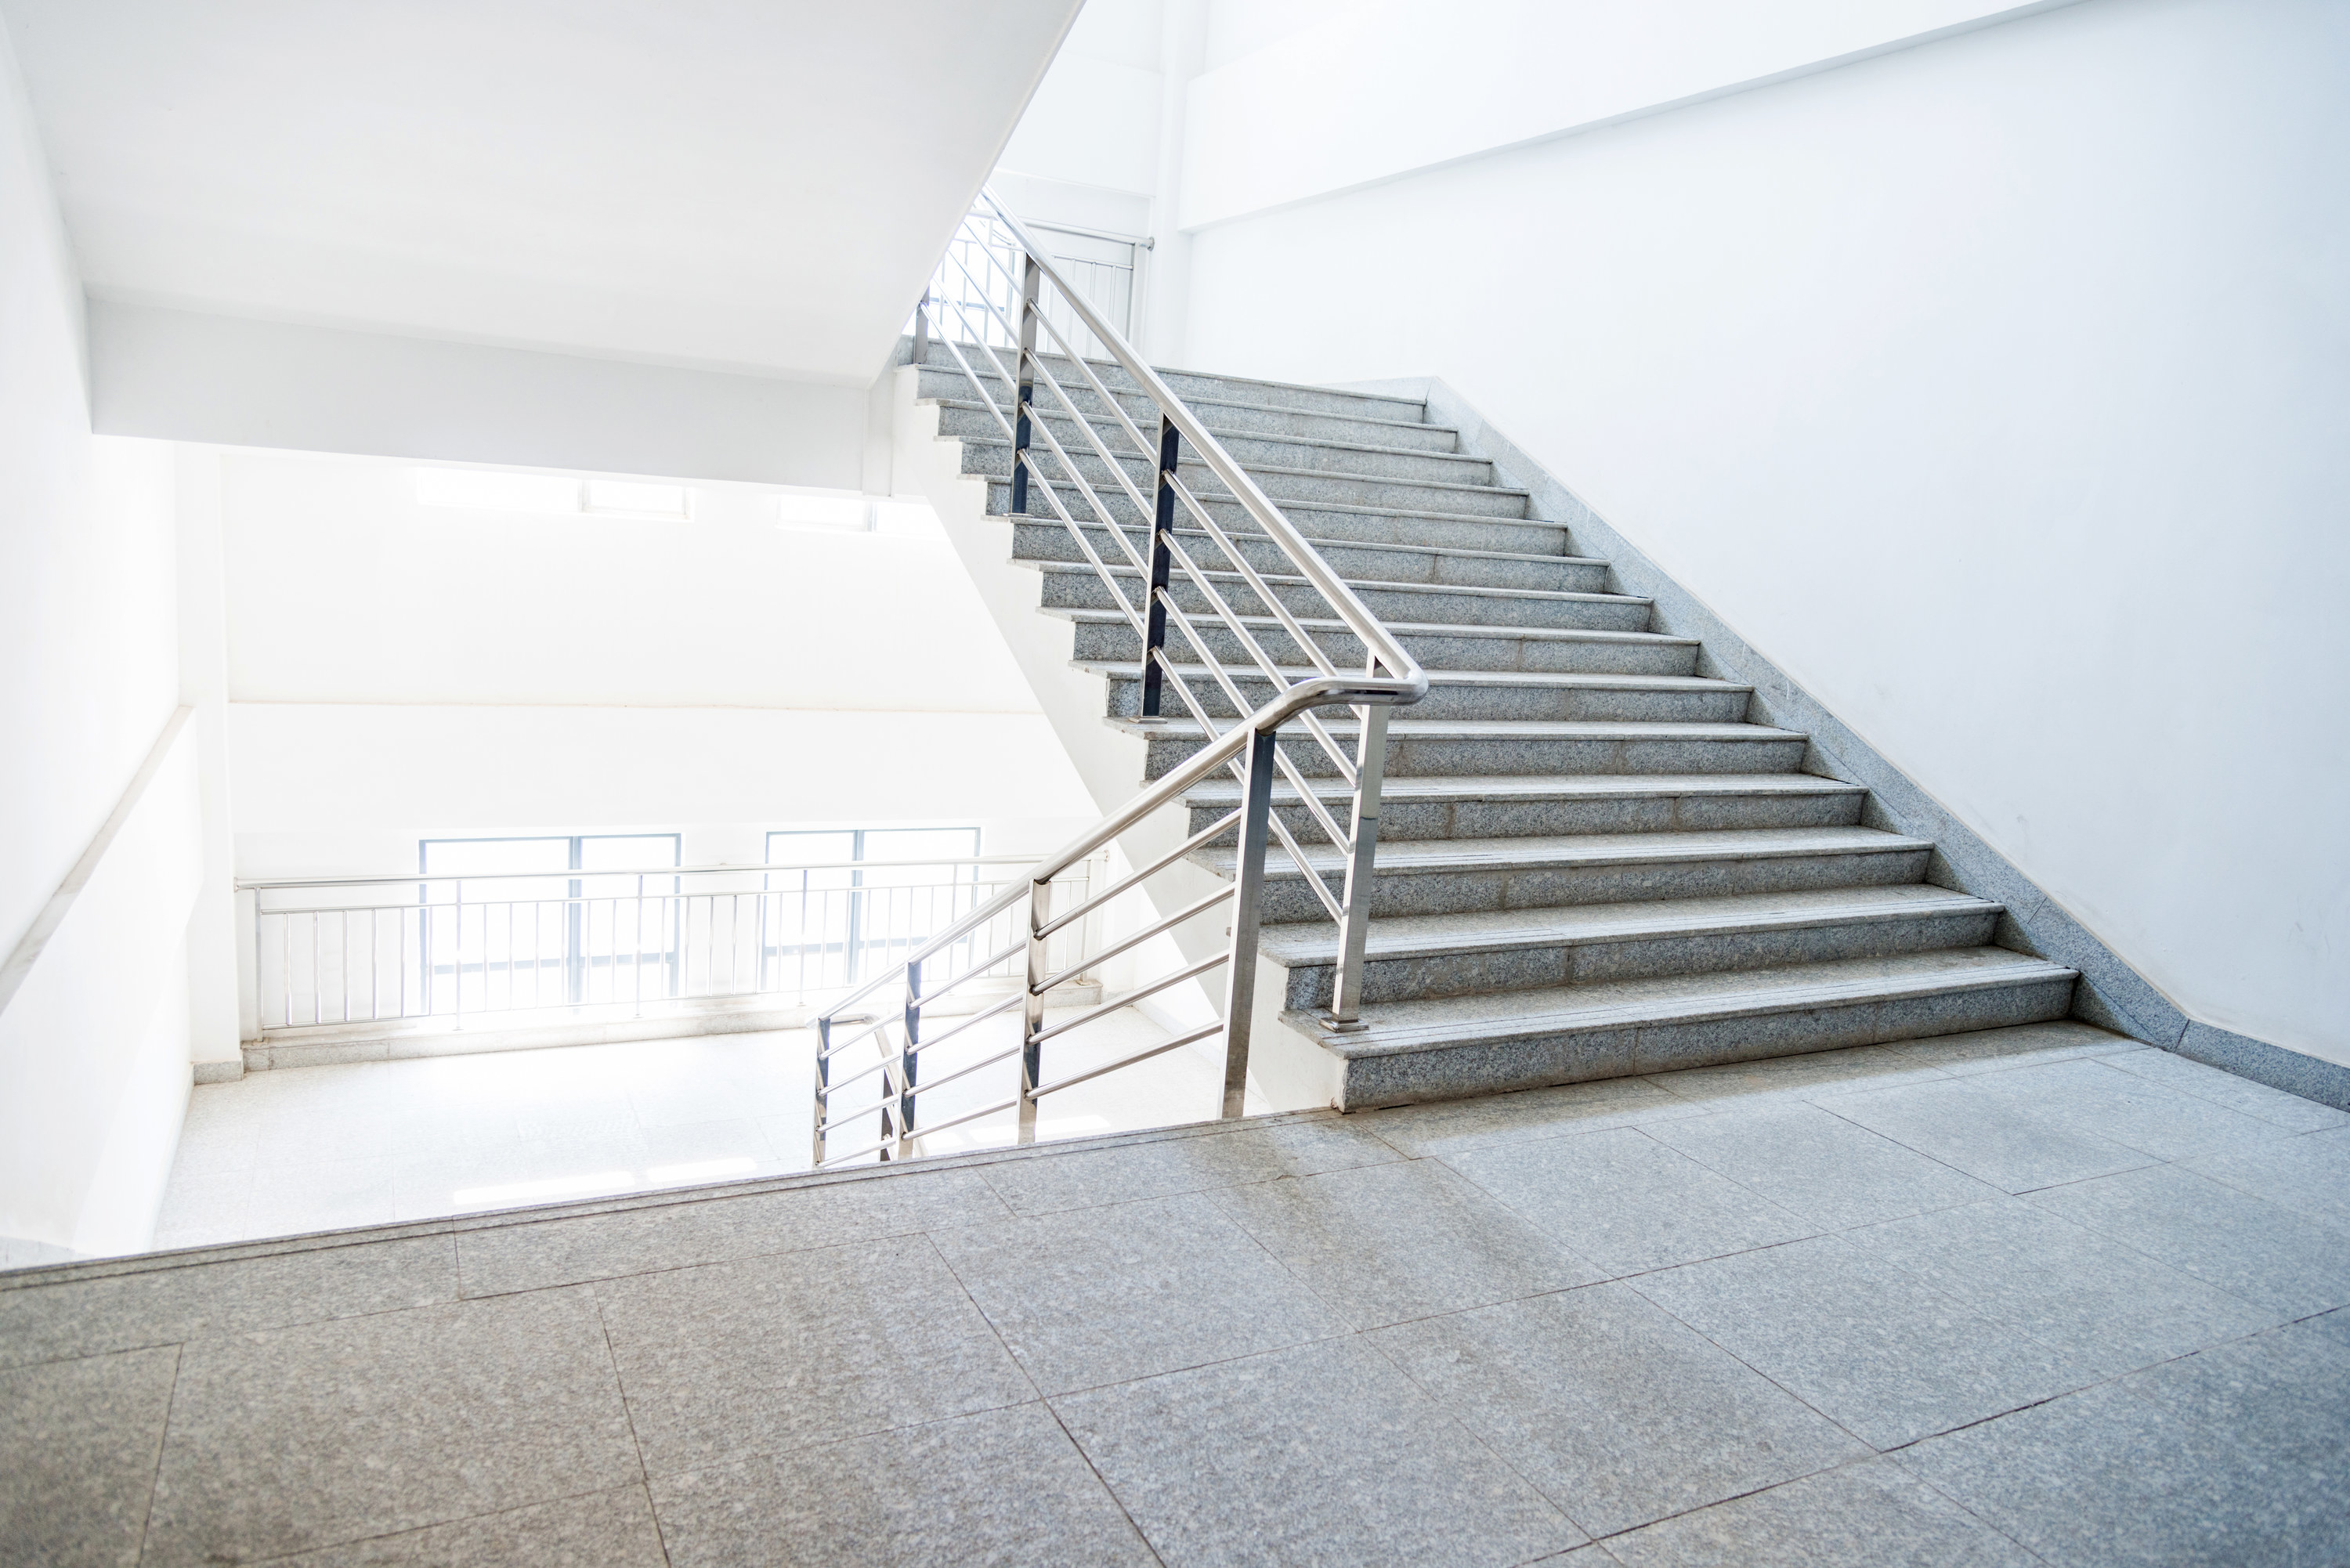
x=1416, y=629
x=1164, y=371
x=1576, y=849
x=1061, y=416
x=1119, y=569
x=1493, y=786
x=1538, y=679
x=1256, y=468
x=1194, y=532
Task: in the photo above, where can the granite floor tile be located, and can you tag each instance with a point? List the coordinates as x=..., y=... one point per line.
x=1986, y=1136
x=1867, y=1515
x=1804, y=1077
x=1160, y=1168
x=566, y=1250
x=1100, y=1296
x=1619, y=1413
x=1384, y=1242
x=2024, y=1045
x=168, y=1303
x=297, y=1439
x=1874, y=1348
x=602, y=1530
x=2098, y=1098
x=336, y=1195
x=2207, y=1083
x=2110, y=1308
x=1625, y=1201
x=1449, y=1126
x=1819, y=1166
x=2101, y=1479
x=78, y=1447
x=2309, y=1174
x=2283, y=1261
x=1317, y=1454
x=727, y=1360
x=1004, y=1487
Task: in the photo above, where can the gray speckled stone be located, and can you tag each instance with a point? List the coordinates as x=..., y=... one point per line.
x=1100, y=1296
x=607, y=1529
x=168, y=1301
x=303, y=1437
x=2205, y=1083
x=2309, y=1174
x=1625, y=1201
x=1617, y=1412
x=1867, y=1515
x=1081, y=1179
x=1875, y=1349
x=1819, y=1166
x=78, y=1445
x=1448, y=1127
x=767, y=1354
x=1319, y=1454
x=2098, y=1098
x=599, y=1246
x=1988, y=1136
x=1004, y=1487
x=1387, y=1243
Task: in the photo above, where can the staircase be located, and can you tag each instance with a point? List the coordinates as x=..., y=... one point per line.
x=1589, y=862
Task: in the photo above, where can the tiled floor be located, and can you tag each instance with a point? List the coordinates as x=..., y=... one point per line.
x=2035, y=1296
x=319, y=1148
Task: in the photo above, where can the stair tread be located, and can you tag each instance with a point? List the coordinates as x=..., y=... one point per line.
x=1413, y=936
x=1208, y=494
x=1289, y=504
x=1061, y=417
x=1438, y=1023
x=1111, y=367
x=1401, y=547
x=1519, y=788
x=1509, y=729
x=1441, y=855
x=1131, y=670
x=1414, y=629
x=1284, y=579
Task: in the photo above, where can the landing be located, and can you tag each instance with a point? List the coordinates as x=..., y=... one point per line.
x=1934, y=1303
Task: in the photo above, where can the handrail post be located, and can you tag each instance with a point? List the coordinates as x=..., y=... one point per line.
x=1240, y=972
x=912, y=1062
x=823, y=1079
x=1031, y=1015
x=1162, y=534
x=1363, y=837
x=1030, y=279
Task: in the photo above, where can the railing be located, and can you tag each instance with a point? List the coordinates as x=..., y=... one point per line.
x=1006, y=309
x=453, y=950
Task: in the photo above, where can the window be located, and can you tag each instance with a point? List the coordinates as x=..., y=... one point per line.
x=539, y=925
x=489, y=490
x=840, y=923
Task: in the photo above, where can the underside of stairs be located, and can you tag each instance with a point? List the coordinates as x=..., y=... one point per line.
x=1590, y=862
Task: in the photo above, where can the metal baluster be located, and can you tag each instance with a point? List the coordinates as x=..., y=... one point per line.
x=823, y=1077
x=1240, y=993
x=1032, y=1016
x=1370, y=770
x=1030, y=279
x=1162, y=534
x=912, y=1060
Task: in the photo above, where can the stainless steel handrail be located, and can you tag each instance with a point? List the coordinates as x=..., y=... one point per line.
x=1391, y=677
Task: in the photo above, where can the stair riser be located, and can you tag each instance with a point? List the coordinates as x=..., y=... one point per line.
x=1560, y=703
x=1542, y=887
x=1490, y=757
x=1051, y=541
x=1483, y=973
x=1112, y=642
x=1188, y=385
x=1532, y=1061
x=1374, y=526
x=1249, y=451
x=1086, y=590
x=1404, y=821
x=993, y=460
x=1239, y=418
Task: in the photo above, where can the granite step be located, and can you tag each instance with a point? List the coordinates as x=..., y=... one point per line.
x=1190, y=384
x=1461, y=875
x=1447, y=1048
x=1365, y=522
x=1440, y=807
x=1483, y=747
x=991, y=458
x=1235, y=415
x=1106, y=635
x=1458, y=693
x=1079, y=587
x=1416, y=957
x=1051, y=540
x=972, y=421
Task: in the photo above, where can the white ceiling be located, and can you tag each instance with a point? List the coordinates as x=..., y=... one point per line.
x=753, y=184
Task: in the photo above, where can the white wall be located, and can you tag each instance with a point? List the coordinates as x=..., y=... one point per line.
x=93, y=1003
x=1995, y=388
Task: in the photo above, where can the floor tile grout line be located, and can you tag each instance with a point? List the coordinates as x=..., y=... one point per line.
x=429, y=1524
x=163, y=1442
x=620, y=1387
x=1108, y=1490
